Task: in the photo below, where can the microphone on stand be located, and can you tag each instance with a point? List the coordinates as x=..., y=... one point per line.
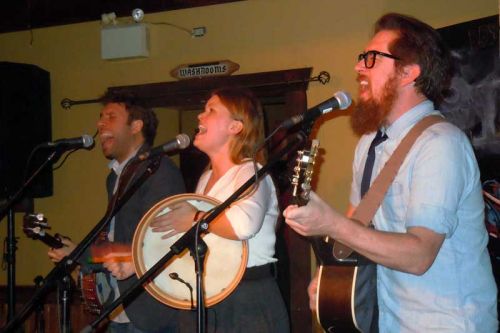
x=85, y=141
x=181, y=141
x=175, y=276
x=340, y=100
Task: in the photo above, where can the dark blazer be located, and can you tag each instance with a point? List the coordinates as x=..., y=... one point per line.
x=145, y=312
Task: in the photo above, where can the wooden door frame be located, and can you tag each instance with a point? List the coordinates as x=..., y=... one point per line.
x=290, y=86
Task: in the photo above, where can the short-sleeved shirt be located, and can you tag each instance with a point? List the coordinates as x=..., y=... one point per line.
x=437, y=187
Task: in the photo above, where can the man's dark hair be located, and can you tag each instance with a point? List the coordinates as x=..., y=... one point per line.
x=136, y=111
x=420, y=44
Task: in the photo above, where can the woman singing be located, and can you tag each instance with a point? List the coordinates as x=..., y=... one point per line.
x=229, y=129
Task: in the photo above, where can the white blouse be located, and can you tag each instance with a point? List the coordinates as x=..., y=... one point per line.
x=254, y=217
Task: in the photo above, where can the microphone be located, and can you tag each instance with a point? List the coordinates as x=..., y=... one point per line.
x=181, y=141
x=340, y=100
x=84, y=141
x=175, y=276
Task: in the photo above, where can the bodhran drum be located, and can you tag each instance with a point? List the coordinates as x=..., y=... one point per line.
x=225, y=260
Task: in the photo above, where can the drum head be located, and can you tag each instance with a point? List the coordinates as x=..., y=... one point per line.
x=225, y=261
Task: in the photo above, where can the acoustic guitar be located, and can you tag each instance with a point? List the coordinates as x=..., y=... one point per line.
x=346, y=293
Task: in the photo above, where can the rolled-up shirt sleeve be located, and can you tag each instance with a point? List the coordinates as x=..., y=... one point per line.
x=437, y=186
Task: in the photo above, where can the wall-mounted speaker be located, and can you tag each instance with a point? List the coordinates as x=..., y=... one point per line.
x=25, y=122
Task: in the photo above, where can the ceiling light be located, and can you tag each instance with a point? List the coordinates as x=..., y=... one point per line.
x=138, y=14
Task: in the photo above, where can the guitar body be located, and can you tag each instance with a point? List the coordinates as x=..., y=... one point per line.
x=335, y=298
x=347, y=292
x=346, y=299
x=97, y=292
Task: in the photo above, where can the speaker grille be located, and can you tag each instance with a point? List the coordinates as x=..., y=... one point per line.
x=25, y=121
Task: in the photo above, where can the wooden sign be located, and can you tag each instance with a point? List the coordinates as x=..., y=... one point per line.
x=218, y=68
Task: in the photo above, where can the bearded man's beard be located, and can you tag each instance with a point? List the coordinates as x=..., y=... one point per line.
x=370, y=115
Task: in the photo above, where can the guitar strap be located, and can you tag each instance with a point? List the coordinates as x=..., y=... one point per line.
x=375, y=195
x=373, y=198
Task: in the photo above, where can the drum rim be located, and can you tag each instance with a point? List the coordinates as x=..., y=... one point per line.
x=137, y=256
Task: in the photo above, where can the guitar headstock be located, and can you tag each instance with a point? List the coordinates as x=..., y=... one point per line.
x=302, y=174
x=34, y=226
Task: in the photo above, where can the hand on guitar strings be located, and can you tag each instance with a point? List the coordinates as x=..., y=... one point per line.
x=315, y=218
x=179, y=219
x=55, y=255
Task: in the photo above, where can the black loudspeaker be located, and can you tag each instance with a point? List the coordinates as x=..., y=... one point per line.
x=25, y=122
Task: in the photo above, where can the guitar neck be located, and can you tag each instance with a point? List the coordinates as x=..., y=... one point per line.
x=50, y=241
x=299, y=201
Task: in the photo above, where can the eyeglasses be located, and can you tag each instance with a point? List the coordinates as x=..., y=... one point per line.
x=369, y=57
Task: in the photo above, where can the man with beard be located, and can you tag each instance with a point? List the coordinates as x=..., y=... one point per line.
x=429, y=239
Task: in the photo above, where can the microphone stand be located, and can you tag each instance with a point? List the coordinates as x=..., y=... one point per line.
x=68, y=263
x=189, y=238
x=64, y=294
x=8, y=210
x=39, y=311
x=198, y=250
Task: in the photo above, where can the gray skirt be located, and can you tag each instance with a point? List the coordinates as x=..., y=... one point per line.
x=256, y=305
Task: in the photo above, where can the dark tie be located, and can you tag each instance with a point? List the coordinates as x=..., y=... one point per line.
x=370, y=159
x=367, y=274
